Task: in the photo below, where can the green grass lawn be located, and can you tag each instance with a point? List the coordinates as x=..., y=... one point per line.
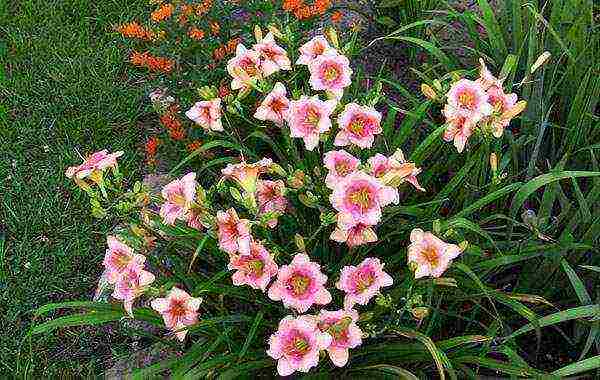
x=64, y=91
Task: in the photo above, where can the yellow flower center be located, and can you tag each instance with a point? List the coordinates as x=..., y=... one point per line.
x=331, y=73
x=431, y=256
x=342, y=168
x=361, y=197
x=467, y=99
x=312, y=117
x=256, y=267
x=364, y=281
x=299, y=284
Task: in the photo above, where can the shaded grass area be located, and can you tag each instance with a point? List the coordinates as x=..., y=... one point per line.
x=64, y=92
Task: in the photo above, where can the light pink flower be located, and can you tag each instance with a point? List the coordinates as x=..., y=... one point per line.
x=300, y=285
x=363, y=282
x=486, y=78
x=273, y=57
x=131, y=284
x=431, y=255
x=359, y=198
x=244, y=67
x=233, y=232
x=245, y=174
x=339, y=163
x=207, y=114
x=468, y=98
x=394, y=170
x=356, y=235
x=459, y=127
x=118, y=258
x=296, y=344
x=358, y=126
x=270, y=195
x=308, y=118
x=312, y=49
x=178, y=310
x=275, y=105
x=179, y=197
x=502, y=104
x=96, y=162
x=341, y=325
x=331, y=72
x=254, y=269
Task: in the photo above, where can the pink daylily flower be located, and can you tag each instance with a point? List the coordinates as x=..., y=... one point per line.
x=179, y=196
x=468, y=98
x=431, y=255
x=459, y=127
x=309, y=118
x=363, y=282
x=206, y=114
x=270, y=195
x=313, y=49
x=244, y=68
x=296, y=344
x=359, y=198
x=273, y=57
x=339, y=164
x=358, y=126
x=394, y=170
x=356, y=235
x=245, y=174
x=275, y=105
x=233, y=232
x=341, y=325
x=300, y=285
x=118, y=258
x=330, y=72
x=486, y=78
x=178, y=310
x=131, y=284
x=254, y=269
x=502, y=104
x=96, y=163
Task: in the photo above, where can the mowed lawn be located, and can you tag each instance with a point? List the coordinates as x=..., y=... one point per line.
x=64, y=91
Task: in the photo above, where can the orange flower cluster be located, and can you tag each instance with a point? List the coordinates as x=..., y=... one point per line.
x=162, y=13
x=152, y=63
x=151, y=148
x=171, y=122
x=303, y=11
x=196, y=34
x=135, y=30
x=194, y=145
x=336, y=17
x=220, y=52
x=215, y=28
x=186, y=11
x=203, y=7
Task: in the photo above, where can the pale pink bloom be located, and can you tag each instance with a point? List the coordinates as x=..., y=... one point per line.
x=96, y=162
x=195, y=219
x=331, y=72
x=309, y=118
x=296, y=344
x=339, y=163
x=312, y=49
x=300, y=285
x=394, y=170
x=254, y=269
x=459, y=127
x=431, y=255
x=206, y=114
x=358, y=126
x=341, y=325
x=468, y=98
x=245, y=174
x=359, y=198
x=179, y=197
x=118, y=258
x=363, y=282
x=273, y=57
x=244, y=67
x=178, y=310
x=502, y=103
x=131, y=284
x=270, y=195
x=275, y=105
x=233, y=232
x=486, y=78
x=356, y=235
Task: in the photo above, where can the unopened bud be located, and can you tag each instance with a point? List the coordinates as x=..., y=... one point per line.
x=463, y=245
x=207, y=92
x=258, y=35
x=299, y=240
x=542, y=59
x=445, y=281
x=428, y=91
x=494, y=162
x=420, y=313
x=515, y=110
x=273, y=29
x=333, y=37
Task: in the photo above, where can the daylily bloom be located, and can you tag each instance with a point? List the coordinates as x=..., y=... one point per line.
x=331, y=72
x=359, y=198
x=131, y=284
x=358, y=126
x=118, y=258
x=254, y=269
x=505, y=108
x=341, y=325
x=245, y=174
x=394, y=170
x=486, y=78
x=300, y=285
x=339, y=163
x=308, y=118
x=179, y=197
x=94, y=165
x=273, y=57
x=275, y=105
x=296, y=344
x=207, y=114
x=356, y=235
x=312, y=49
x=178, y=310
x=233, y=232
x=459, y=127
x=468, y=98
x=362, y=282
x=244, y=67
x=270, y=195
x=431, y=255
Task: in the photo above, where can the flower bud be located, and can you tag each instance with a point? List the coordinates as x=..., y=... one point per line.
x=420, y=313
x=517, y=109
x=428, y=91
x=207, y=92
x=258, y=35
x=273, y=29
x=494, y=162
x=541, y=60
x=276, y=169
x=333, y=37
x=299, y=240
x=298, y=180
x=445, y=281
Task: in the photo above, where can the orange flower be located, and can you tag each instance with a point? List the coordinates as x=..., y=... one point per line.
x=203, y=7
x=290, y=5
x=215, y=28
x=220, y=52
x=186, y=11
x=134, y=30
x=194, y=145
x=196, y=34
x=152, y=63
x=303, y=11
x=171, y=122
x=336, y=17
x=152, y=146
x=162, y=13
